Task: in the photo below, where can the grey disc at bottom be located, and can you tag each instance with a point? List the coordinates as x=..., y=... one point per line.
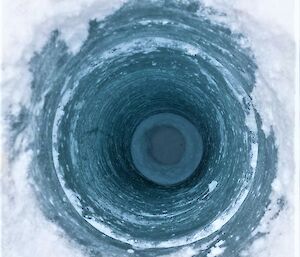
x=166, y=148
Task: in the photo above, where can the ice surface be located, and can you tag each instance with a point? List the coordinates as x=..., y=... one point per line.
x=269, y=27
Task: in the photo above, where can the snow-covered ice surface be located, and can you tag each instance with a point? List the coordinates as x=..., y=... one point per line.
x=268, y=28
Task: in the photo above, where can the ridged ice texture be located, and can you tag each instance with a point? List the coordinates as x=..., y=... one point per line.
x=148, y=58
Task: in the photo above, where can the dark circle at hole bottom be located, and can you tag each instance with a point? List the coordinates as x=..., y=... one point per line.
x=166, y=144
x=166, y=148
